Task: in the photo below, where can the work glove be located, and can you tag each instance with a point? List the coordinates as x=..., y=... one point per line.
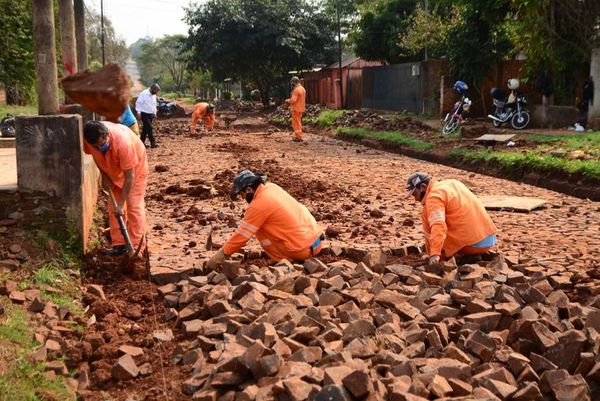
x=216, y=261
x=434, y=260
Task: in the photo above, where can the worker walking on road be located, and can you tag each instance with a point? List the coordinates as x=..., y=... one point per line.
x=206, y=112
x=283, y=226
x=145, y=107
x=128, y=119
x=121, y=157
x=298, y=105
x=454, y=220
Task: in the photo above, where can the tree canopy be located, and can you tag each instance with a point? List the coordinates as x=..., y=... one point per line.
x=163, y=60
x=259, y=41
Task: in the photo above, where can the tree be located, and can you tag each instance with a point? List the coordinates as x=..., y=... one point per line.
x=17, y=62
x=380, y=25
x=429, y=30
x=479, y=40
x=259, y=41
x=115, y=49
x=164, y=60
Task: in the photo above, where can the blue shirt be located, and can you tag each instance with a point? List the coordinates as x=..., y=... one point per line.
x=127, y=118
x=488, y=241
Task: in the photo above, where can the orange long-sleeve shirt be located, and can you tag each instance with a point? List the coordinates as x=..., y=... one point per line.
x=200, y=113
x=126, y=152
x=298, y=100
x=453, y=218
x=275, y=215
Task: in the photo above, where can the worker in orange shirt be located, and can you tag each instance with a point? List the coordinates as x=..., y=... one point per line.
x=121, y=157
x=206, y=112
x=283, y=226
x=454, y=220
x=298, y=105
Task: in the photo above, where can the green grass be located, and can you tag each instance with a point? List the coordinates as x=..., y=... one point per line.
x=589, y=141
x=388, y=136
x=174, y=95
x=512, y=161
x=20, y=379
x=53, y=274
x=327, y=117
x=17, y=110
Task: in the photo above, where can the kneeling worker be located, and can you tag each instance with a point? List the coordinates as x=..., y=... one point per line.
x=121, y=157
x=454, y=220
x=206, y=112
x=283, y=226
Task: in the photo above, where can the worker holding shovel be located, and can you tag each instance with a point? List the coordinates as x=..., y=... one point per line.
x=121, y=157
x=454, y=220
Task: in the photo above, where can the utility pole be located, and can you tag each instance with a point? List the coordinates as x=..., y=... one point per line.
x=102, y=31
x=339, y=29
x=45, y=56
x=427, y=11
x=79, y=10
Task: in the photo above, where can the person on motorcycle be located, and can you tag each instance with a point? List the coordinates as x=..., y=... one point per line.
x=206, y=112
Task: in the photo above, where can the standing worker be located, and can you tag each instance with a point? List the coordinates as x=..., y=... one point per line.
x=283, y=226
x=454, y=220
x=128, y=119
x=121, y=157
x=298, y=105
x=146, y=111
x=206, y=112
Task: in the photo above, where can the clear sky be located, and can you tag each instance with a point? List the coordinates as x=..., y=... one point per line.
x=134, y=19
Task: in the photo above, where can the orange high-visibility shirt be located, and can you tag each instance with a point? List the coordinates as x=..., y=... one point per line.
x=275, y=214
x=200, y=113
x=453, y=217
x=298, y=99
x=125, y=152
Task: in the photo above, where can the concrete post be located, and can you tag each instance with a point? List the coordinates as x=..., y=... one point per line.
x=67, y=37
x=50, y=160
x=45, y=56
x=79, y=9
x=594, y=111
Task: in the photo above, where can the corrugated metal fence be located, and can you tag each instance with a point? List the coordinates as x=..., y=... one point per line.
x=393, y=87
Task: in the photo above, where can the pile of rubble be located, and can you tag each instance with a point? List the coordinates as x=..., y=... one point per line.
x=236, y=105
x=312, y=111
x=374, y=121
x=372, y=330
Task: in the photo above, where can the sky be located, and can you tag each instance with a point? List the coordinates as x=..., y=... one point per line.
x=134, y=19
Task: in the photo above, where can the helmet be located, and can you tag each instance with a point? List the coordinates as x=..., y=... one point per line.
x=460, y=87
x=243, y=180
x=415, y=180
x=294, y=80
x=513, y=84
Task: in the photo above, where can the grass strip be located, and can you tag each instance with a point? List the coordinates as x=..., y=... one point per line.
x=394, y=137
x=512, y=161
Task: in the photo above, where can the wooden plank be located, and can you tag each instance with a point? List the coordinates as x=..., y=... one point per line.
x=495, y=137
x=514, y=203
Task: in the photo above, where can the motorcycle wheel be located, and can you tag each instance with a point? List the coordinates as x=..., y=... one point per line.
x=520, y=121
x=450, y=126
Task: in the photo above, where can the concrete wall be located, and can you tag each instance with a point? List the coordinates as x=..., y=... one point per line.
x=50, y=160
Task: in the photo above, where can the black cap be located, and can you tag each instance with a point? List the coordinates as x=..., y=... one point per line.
x=415, y=180
x=243, y=180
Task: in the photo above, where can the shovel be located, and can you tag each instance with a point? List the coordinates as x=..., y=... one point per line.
x=122, y=225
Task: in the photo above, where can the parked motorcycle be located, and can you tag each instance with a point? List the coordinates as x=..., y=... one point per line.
x=454, y=118
x=7, y=126
x=164, y=108
x=510, y=107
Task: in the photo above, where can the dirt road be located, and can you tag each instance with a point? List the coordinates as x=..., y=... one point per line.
x=355, y=193
x=354, y=189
